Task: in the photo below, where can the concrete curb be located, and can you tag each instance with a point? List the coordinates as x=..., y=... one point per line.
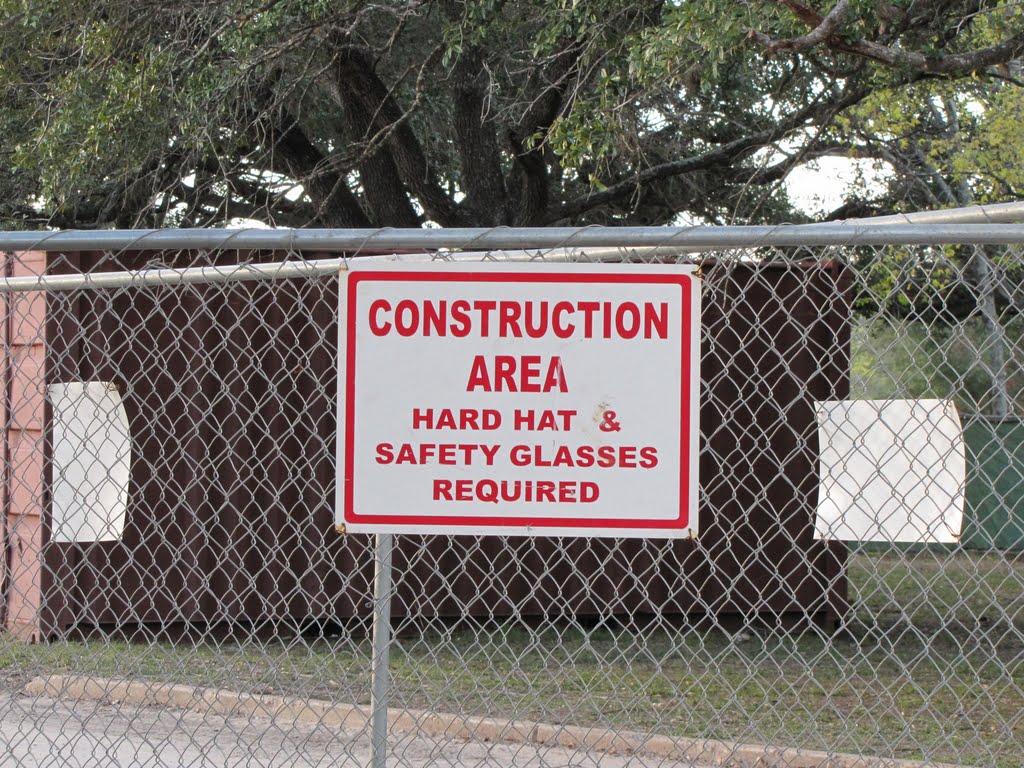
x=284, y=710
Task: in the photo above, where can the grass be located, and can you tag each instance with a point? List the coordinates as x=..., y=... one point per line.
x=913, y=359
x=929, y=666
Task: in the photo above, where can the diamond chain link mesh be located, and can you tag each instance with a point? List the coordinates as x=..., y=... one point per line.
x=174, y=591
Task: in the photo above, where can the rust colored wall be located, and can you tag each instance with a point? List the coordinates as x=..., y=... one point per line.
x=24, y=324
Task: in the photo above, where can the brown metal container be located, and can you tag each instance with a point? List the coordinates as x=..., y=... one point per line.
x=230, y=393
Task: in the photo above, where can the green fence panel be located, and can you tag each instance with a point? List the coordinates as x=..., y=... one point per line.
x=994, y=515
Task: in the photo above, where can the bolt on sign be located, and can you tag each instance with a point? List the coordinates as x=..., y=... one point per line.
x=518, y=399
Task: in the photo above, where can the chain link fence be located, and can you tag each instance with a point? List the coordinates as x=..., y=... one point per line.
x=174, y=590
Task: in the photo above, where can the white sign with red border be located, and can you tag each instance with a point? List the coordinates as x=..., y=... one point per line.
x=518, y=399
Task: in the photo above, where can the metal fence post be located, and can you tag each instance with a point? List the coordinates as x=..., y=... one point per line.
x=381, y=648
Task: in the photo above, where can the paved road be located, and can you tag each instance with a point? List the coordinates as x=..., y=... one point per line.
x=38, y=732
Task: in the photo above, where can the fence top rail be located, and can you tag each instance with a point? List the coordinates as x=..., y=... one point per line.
x=1006, y=213
x=521, y=238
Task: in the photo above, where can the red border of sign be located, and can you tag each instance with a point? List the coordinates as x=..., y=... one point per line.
x=428, y=522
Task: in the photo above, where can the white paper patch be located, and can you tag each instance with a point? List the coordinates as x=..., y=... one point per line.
x=890, y=471
x=91, y=462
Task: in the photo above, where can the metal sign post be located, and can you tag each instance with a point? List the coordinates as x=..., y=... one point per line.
x=505, y=400
x=381, y=649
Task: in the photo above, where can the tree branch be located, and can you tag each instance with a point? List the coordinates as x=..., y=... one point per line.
x=480, y=161
x=825, y=27
x=826, y=32
x=954, y=64
x=721, y=156
x=779, y=171
x=383, y=189
x=530, y=172
x=291, y=153
x=860, y=209
x=354, y=73
x=805, y=13
x=218, y=208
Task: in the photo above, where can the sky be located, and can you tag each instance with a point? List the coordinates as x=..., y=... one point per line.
x=819, y=187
